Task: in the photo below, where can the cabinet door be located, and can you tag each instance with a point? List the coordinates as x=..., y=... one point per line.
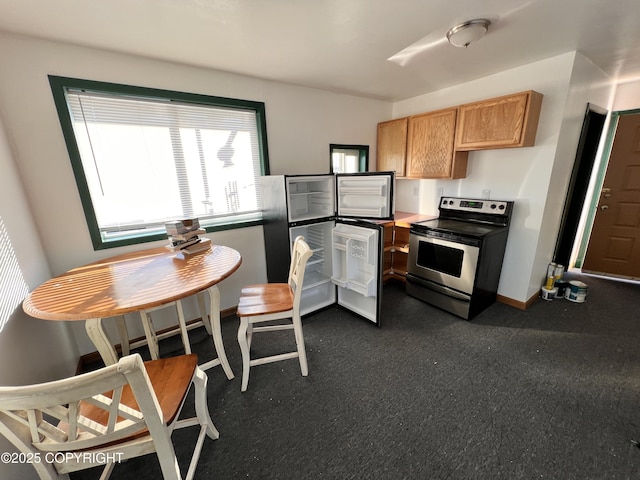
x=503, y=122
x=392, y=146
x=430, y=152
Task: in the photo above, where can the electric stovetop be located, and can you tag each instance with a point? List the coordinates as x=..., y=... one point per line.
x=457, y=227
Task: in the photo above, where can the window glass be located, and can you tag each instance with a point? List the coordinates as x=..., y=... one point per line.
x=349, y=158
x=143, y=157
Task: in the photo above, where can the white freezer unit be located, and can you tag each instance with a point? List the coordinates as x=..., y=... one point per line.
x=365, y=196
x=310, y=197
x=344, y=195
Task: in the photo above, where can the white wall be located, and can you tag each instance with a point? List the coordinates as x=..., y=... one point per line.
x=301, y=123
x=31, y=350
x=627, y=96
x=534, y=177
x=588, y=84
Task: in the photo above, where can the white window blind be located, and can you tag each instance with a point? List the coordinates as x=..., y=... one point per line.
x=13, y=287
x=345, y=161
x=147, y=161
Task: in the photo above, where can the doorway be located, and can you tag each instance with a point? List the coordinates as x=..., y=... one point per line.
x=613, y=247
x=586, y=153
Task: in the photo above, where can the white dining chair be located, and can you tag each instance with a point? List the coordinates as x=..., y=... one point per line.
x=106, y=416
x=274, y=301
x=209, y=318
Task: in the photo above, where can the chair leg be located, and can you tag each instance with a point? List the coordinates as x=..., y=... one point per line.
x=214, y=297
x=99, y=337
x=204, y=315
x=168, y=461
x=200, y=380
x=249, y=334
x=244, y=348
x=107, y=471
x=183, y=328
x=302, y=354
x=150, y=333
x=124, y=335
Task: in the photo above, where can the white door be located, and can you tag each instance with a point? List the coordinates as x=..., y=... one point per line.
x=357, y=261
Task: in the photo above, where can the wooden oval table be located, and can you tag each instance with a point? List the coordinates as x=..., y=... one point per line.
x=140, y=281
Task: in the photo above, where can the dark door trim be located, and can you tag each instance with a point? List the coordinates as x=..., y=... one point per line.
x=592, y=127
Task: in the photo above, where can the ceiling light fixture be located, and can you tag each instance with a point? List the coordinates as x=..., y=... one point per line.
x=463, y=34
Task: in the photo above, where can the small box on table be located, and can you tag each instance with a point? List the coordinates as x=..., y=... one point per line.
x=180, y=227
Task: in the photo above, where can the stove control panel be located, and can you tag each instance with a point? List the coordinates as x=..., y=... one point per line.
x=496, y=207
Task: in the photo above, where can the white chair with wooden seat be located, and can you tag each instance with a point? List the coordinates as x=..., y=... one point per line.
x=103, y=417
x=210, y=321
x=274, y=301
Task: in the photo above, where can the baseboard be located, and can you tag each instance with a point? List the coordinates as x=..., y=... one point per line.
x=93, y=357
x=517, y=303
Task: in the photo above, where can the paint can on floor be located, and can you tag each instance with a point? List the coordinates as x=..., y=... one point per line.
x=558, y=271
x=562, y=288
x=551, y=268
x=576, y=291
x=548, y=293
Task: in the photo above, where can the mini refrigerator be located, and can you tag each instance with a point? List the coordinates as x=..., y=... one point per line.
x=341, y=217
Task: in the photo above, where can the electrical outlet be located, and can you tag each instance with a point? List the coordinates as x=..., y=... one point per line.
x=486, y=194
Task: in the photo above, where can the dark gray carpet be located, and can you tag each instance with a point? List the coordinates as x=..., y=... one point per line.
x=552, y=392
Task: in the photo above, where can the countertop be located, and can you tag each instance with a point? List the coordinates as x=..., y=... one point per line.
x=405, y=219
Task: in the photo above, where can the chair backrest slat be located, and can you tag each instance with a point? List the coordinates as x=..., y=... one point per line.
x=114, y=410
x=51, y=431
x=34, y=418
x=89, y=438
x=33, y=422
x=105, y=403
x=73, y=421
x=299, y=256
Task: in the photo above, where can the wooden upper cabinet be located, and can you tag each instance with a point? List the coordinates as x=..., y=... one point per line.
x=430, y=146
x=392, y=146
x=503, y=122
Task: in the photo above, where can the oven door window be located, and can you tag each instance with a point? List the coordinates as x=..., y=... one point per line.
x=440, y=258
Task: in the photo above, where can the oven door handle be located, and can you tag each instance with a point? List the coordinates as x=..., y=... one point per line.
x=449, y=239
x=438, y=288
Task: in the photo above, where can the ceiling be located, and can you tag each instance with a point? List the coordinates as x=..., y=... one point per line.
x=343, y=45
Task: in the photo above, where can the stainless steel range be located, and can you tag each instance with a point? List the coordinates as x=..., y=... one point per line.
x=455, y=260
